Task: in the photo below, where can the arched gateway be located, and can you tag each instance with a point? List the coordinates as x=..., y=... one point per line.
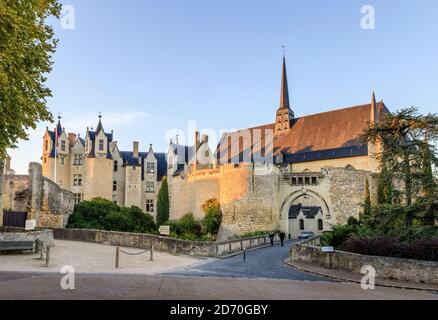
x=304, y=210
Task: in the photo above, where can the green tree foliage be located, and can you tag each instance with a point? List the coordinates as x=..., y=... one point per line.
x=101, y=214
x=26, y=47
x=367, y=203
x=408, y=139
x=163, y=205
x=213, y=217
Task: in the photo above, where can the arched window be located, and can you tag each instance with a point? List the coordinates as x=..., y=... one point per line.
x=320, y=225
x=301, y=224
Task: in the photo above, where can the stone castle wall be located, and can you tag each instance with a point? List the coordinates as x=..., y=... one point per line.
x=43, y=199
x=253, y=199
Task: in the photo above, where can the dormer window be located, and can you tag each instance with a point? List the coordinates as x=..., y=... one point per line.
x=150, y=167
x=62, y=145
x=101, y=143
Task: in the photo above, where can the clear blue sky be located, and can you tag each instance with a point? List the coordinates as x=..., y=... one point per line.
x=149, y=66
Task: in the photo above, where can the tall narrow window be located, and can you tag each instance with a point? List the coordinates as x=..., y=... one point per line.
x=61, y=160
x=150, y=206
x=150, y=167
x=63, y=145
x=150, y=187
x=78, y=198
x=114, y=185
x=46, y=145
x=301, y=224
x=101, y=142
x=116, y=165
x=320, y=225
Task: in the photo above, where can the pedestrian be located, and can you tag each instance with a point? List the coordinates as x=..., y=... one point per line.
x=271, y=237
x=282, y=237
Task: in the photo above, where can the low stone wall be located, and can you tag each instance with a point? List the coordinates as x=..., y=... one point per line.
x=18, y=234
x=386, y=267
x=144, y=241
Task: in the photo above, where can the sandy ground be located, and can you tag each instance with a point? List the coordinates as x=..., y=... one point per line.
x=97, y=258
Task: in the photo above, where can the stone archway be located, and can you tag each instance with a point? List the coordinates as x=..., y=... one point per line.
x=306, y=197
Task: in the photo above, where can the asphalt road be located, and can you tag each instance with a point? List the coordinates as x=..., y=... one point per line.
x=263, y=276
x=265, y=263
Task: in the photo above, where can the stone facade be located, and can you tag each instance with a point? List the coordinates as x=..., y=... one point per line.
x=95, y=167
x=42, y=199
x=252, y=201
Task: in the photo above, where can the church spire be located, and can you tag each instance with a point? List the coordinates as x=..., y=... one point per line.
x=284, y=97
x=285, y=115
x=373, y=108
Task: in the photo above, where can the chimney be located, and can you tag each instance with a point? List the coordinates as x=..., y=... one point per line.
x=204, y=138
x=135, y=149
x=197, y=140
x=71, y=138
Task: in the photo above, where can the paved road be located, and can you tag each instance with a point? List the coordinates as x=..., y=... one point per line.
x=264, y=263
x=159, y=287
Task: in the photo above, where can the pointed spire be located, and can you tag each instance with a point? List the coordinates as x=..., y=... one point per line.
x=373, y=108
x=284, y=97
x=59, y=126
x=99, y=125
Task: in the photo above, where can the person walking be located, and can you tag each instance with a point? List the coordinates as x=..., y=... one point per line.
x=282, y=237
x=271, y=237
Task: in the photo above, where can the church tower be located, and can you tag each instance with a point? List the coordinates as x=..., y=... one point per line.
x=285, y=115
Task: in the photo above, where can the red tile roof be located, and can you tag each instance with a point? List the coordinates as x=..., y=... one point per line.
x=328, y=130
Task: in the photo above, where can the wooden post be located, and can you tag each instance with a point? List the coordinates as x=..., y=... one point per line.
x=152, y=253
x=117, y=256
x=244, y=254
x=47, y=256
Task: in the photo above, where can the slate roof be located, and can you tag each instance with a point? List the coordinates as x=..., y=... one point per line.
x=129, y=160
x=309, y=211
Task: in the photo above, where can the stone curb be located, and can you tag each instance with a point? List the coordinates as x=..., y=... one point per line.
x=387, y=285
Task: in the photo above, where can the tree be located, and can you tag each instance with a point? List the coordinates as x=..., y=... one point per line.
x=26, y=47
x=408, y=151
x=367, y=204
x=163, y=204
x=213, y=216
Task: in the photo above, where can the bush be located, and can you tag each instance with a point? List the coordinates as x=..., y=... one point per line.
x=387, y=246
x=103, y=214
x=186, y=225
x=163, y=205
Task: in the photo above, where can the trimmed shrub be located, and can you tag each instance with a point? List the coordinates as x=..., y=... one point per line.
x=386, y=246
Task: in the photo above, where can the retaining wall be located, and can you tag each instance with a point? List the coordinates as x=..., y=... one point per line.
x=393, y=268
x=175, y=246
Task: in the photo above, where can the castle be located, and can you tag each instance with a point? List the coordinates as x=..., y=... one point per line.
x=294, y=174
x=95, y=167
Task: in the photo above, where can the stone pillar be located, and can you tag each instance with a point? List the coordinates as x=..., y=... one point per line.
x=36, y=190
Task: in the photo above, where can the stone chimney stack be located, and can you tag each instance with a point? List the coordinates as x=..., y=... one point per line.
x=136, y=149
x=72, y=138
x=204, y=138
x=197, y=140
